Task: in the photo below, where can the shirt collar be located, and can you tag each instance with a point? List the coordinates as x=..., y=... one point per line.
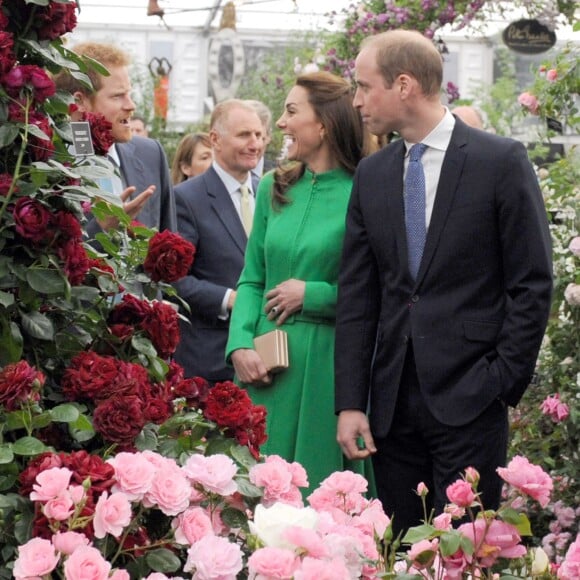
x=114, y=155
x=440, y=137
x=231, y=183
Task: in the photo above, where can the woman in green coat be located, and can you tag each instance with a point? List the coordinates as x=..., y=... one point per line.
x=290, y=276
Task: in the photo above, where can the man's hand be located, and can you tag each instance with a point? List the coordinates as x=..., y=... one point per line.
x=132, y=207
x=250, y=367
x=353, y=425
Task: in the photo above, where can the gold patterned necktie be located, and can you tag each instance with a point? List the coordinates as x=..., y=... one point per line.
x=246, y=209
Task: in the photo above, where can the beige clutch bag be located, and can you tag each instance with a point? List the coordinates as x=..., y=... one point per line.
x=273, y=350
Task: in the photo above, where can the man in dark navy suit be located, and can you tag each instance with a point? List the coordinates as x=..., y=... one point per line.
x=439, y=319
x=212, y=214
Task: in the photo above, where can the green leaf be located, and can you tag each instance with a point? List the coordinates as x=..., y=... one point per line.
x=247, y=488
x=11, y=340
x=163, y=560
x=243, y=456
x=143, y=345
x=28, y=446
x=6, y=299
x=6, y=455
x=38, y=326
x=42, y=420
x=8, y=133
x=39, y=133
x=449, y=543
x=418, y=533
x=146, y=440
x=65, y=413
x=517, y=519
x=45, y=280
x=234, y=518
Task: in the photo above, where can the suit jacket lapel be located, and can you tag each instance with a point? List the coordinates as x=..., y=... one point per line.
x=225, y=210
x=133, y=171
x=446, y=189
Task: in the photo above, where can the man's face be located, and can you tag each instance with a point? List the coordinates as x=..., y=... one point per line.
x=238, y=147
x=378, y=105
x=113, y=101
x=138, y=128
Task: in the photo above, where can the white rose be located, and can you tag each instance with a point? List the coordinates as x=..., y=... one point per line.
x=540, y=562
x=270, y=523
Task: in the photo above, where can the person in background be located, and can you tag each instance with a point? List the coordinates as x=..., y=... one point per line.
x=214, y=212
x=444, y=289
x=290, y=275
x=469, y=115
x=142, y=178
x=264, y=165
x=138, y=126
x=192, y=157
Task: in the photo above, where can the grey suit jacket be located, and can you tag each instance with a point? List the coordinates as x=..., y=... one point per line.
x=476, y=313
x=143, y=163
x=206, y=216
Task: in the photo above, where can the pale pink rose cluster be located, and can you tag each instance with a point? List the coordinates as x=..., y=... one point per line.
x=572, y=294
x=553, y=407
x=530, y=102
x=574, y=246
x=333, y=538
x=280, y=480
x=570, y=567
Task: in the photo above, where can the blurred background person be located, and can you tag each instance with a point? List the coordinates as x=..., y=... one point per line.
x=138, y=126
x=265, y=164
x=291, y=270
x=469, y=115
x=192, y=157
x=214, y=212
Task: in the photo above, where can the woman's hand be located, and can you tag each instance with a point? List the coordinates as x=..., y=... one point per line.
x=285, y=299
x=250, y=368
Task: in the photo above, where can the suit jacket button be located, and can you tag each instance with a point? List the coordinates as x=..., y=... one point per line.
x=415, y=298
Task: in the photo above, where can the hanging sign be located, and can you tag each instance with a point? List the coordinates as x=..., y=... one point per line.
x=528, y=37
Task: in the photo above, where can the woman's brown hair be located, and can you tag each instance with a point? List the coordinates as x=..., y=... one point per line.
x=331, y=98
x=184, y=153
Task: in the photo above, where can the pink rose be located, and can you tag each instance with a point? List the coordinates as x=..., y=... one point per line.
x=342, y=490
x=422, y=489
x=50, y=482
x=120, y=574
x=313, y=569
x=274, y=563
x=86, y=563
x=134, y=474
x=574, y=246
x=422, y=554
x=215, y=473
x=59, y=508
x=570, y=568
x=68, y=542
x=308, y=542
x=214, y=558
x=192, y=525
x=454, y=565
x=442, y=521
x=170, y=491
x=528, y=478
x=552, y=75
x=530, y=102
x=112, y=514
x=36, y=558
x=554, y=408
x=472, y=476
x=461, y=493
x=274, y=476
x=372, y=520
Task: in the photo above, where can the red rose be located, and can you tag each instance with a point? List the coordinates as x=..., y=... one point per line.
x=5, y=184
x=119, y=420
x=157, y=410
x=86, y=375
x=19, y=382
x=84, y=465
x=67, y=225
x=253, y=433
x=76, y=262
x=7, y=58
x=31, y=219
x=55, y=19
x=162, y=327
x=169, y=257
x=130, y=380
x=101, y=132
x=131, y=310
x=41, y=149
x=194, y=390
x=228, y=405
x=31, y=76
x=175, y=373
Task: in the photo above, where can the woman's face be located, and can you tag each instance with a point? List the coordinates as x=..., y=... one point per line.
x=201, y=159
x=303, y=132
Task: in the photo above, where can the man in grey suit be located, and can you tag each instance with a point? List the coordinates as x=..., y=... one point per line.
x=214, y=213
x=143, y=181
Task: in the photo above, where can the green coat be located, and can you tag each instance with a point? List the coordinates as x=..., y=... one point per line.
x=302, y=240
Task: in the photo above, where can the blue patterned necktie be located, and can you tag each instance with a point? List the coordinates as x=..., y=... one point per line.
x=415, y=208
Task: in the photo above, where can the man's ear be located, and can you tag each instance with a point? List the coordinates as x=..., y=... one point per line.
x=82, y=101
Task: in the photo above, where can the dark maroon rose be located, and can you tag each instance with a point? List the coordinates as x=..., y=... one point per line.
x=76, y=262
x=169, y=257
x=55, y=19
x=44, y=461
x=19, y=383
x=253, y=433
x=119, y=420
x=41, y=149
x=5, y=184
x=67, y=225
x=7, y=57
x=87, y=375
x=130, y=380
x=101, y=132
x=228, y=405
x=194, y=390
x=157, y=410
x=83, y=465
x=174, y=374
x=123, y=332
x=131, y=310
x=31, y=219
x=32, y=77
x=162, y=327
